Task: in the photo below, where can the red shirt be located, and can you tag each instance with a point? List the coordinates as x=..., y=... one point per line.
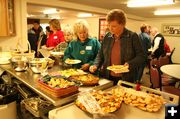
x=55, y=38
x=166, y=48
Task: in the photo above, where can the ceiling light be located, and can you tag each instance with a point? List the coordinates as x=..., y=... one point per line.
x=167, y=12
x=29, y=15
x=50, y=11
x=84, y=15
x=147, y=3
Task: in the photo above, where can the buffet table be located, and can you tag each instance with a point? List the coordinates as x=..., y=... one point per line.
x=126, y=111
x=71, y=111
x=30, y=80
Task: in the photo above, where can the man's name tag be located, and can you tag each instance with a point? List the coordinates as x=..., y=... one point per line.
x=88, y=47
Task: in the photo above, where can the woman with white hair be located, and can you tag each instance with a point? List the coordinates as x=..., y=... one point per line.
x=68, y=33
x=83, y=48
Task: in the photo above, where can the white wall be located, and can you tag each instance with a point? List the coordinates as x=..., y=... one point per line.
x=134, y=25
x=93, y=24
x=21, y=24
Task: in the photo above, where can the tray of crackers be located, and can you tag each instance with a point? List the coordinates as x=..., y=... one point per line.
x=98, y=102
x=86, y=79
x=146, y=99
x=142, y=100
x=58, y=86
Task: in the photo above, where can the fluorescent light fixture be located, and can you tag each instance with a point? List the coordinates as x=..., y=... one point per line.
x=167, y=12
x=147, y=3
x=29, y=15
x=50, y=11
x=84, y=15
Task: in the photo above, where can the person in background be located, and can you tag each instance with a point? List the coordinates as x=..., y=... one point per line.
x=68, y=33
x=119, y=47
x=148, y=30
x=46, y=36
x=157, y=43
x=34, y=35
x=42, y=41
x=56, y=37
x=83, y=48
x=37, y=29
x=146, y=43
x=166, y=47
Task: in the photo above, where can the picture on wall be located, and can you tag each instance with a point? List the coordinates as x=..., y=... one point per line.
x=103, y=28
x=171, y=29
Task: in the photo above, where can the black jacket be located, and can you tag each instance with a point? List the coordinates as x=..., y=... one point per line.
x=131, y=52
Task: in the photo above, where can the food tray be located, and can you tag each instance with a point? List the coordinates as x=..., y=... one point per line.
x=98, y=102
x=71, y=111
x=35, y=104
x=35, y=113
x=57, y=92
x=68, y=72
x=170, y=98
x=86, y=79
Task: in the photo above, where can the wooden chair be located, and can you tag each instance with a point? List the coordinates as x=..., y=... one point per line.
x=155, y=78
x=154, y=62
x=175, y=57
x=163, y=60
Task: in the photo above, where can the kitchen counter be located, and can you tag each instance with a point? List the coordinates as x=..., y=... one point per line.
x=30, y=80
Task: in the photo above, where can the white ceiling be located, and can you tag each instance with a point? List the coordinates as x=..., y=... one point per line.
x=37, y=10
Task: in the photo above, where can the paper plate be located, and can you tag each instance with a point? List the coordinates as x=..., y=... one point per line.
x=57, y=53
x=72, y=61
x=118, y=68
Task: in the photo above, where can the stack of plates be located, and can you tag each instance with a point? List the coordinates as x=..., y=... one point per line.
x=5, y=57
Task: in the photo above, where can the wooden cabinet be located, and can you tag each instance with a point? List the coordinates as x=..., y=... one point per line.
x=7, y=23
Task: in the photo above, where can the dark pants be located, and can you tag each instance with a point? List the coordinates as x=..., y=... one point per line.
x=114, y=79
x=140, y=71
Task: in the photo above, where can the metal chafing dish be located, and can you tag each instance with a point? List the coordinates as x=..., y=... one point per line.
x=36, y=63
x=19, y=63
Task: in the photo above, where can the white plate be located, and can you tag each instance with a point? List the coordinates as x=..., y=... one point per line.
x=57, y=53
x=72, y=61
x=4, y=60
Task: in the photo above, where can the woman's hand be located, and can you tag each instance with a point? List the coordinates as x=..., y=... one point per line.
x=43, y=47
x=85, y=67
x=93, y=68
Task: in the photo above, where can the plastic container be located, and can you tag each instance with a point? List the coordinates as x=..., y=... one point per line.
x=8, y=97
x=71, y=111
x=58, y=92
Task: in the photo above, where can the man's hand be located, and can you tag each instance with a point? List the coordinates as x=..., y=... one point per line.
x=122, y=70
